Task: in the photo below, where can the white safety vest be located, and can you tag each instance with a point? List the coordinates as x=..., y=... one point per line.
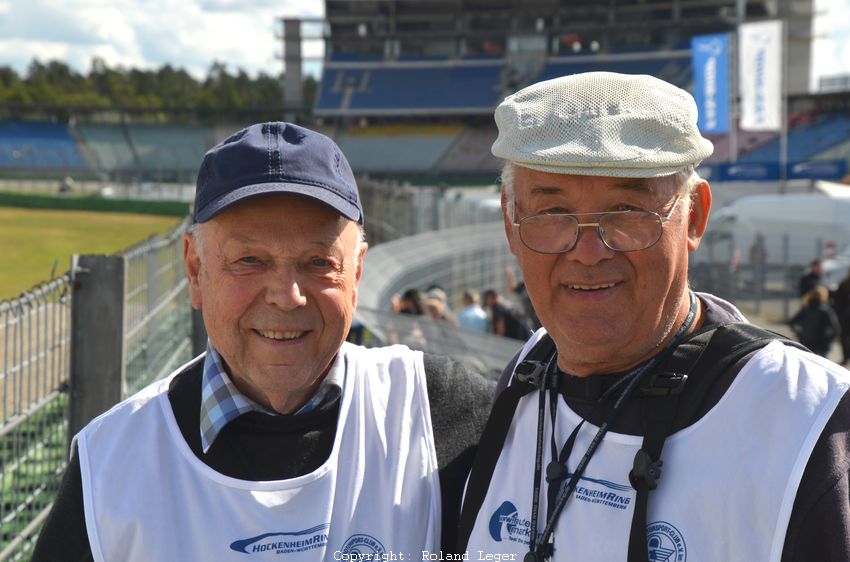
x=148, y=498
x=728, y=481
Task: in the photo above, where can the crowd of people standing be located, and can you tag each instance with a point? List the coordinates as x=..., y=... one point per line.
x=488, y=312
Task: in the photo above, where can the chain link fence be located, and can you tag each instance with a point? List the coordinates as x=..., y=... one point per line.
x=158, y=313
x=34, y=353
x=59, y=368
x=767, y=285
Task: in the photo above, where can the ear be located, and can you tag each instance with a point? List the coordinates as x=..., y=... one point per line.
x=361, y=252
x=192, y=261
x=510, y=231
x=698, y=217
x=358, y=270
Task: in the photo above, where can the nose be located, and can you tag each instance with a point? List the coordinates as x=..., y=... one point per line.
x=589, y=248
x=283, y=290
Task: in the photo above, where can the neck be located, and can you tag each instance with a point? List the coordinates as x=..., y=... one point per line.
x=579, y=369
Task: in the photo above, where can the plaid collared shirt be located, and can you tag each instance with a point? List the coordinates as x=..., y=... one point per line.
x=221, y=401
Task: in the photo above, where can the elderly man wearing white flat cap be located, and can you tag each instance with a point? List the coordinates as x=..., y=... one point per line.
x=644, y=421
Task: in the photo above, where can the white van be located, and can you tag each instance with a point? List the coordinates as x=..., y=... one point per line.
x=815, y=225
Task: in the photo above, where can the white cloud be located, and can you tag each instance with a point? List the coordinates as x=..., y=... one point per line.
x=184, y=33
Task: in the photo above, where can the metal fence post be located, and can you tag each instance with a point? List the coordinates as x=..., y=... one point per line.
x=97, y=338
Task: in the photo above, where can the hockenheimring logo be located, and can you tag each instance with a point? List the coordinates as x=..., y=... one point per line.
x=284, y=542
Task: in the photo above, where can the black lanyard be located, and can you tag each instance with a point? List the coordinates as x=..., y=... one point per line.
x=541, y=549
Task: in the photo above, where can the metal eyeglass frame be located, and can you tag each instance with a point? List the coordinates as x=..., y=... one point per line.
x=599, y=230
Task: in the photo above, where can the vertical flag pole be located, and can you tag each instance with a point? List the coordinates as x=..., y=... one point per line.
x=783, y=116
x=740, y=16
x=733, y=97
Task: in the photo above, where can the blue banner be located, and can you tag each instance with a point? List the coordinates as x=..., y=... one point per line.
x=769, y=171
x=710, y=60
x=818, y=170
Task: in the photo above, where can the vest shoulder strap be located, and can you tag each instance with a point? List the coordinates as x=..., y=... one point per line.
x=529, y=375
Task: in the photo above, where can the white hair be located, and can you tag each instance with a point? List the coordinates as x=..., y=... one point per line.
x=683, y=182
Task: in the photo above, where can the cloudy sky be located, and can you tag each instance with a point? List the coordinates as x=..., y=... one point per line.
x=193, y=33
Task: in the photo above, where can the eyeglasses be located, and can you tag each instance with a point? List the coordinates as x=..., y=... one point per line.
x=621, y=231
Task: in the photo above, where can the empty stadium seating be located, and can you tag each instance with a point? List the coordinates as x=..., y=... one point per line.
x=470, y=153
x=397, y=149
x=110, y=146
x=674, y=67
x=148, y=150
x=44, y=146
x=168, y=148
x=411, y=88
x=806, y=141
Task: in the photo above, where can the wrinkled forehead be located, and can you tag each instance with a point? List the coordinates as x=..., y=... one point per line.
x=274, y=216
x=531, y=184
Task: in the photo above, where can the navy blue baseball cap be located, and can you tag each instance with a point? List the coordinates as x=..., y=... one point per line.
x=275, y=158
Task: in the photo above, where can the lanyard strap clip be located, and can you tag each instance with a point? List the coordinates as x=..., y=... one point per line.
x=531, y=372
x=646, y=470
x=663, y=384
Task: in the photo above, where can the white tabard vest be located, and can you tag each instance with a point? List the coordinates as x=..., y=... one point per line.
x=728, y=482
x=148, y=498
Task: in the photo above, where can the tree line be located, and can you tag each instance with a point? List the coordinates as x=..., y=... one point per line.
x=55, y=89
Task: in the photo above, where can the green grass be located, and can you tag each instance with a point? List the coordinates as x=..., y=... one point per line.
x=31, y=241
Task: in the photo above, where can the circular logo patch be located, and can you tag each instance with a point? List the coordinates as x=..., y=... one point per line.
x=363, y=544
x=665, y=542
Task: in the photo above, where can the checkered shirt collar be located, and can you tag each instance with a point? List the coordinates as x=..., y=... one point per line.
x=222, y=402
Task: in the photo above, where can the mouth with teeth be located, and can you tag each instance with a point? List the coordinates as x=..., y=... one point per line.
x=280, y=336
x=591, y=287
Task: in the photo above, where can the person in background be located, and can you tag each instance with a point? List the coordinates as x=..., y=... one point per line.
x=841, y=305
x=282, y=441
x=472, y=316
x=410, y=302
x=506, y=320
x=436, y=306
x=816, y=324
x=518, y=290
x=812, y=278
x=644, y=421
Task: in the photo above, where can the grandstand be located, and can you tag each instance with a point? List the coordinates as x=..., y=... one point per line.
x=41, y=146
x=391, y=64
x=408, y=90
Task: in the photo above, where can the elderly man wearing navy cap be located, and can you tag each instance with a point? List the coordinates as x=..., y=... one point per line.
x=644, y=421
x=282, y=441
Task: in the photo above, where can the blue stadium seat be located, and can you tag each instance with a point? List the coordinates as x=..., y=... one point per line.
x=420, y=87
x=806, y=141
x=43, y=146
x=675, y=69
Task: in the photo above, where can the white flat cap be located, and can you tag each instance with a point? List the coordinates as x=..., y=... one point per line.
x=601, y=124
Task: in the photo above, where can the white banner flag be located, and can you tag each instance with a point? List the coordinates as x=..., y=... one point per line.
x=760, y=75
